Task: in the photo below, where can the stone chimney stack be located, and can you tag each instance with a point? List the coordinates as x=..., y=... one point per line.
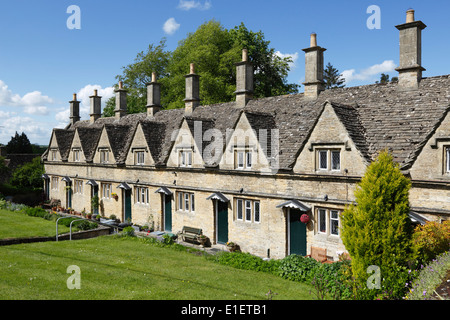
x=313, y=69
x=192, y=100
x=410, y=69
x=96, y=106
x=74, y=109
x=244, y=81
x=153, y=96
x=121, y=101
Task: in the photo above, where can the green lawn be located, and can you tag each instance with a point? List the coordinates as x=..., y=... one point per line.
x=128, y=268
x=20, y=225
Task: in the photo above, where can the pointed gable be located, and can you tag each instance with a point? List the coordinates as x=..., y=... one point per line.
x=338, y=132
x=60, y=142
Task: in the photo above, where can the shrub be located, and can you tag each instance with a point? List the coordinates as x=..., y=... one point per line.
x=332, y=280
x=429, y=278
x=128, y=231
x=431, y=239
x=298, y=268
x=246, y=261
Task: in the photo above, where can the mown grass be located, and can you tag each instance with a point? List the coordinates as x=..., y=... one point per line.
x=19, y=225
x=123, y=268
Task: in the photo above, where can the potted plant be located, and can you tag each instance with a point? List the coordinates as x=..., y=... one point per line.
x=202, y=239
x=115, y=196
x=89, y=215
x=231, y=246
x=304, y=218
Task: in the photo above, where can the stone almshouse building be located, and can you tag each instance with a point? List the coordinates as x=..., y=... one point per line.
x=245, y=171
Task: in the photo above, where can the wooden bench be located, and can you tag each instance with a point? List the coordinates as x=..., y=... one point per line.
x=319, y=254
x=190, y=233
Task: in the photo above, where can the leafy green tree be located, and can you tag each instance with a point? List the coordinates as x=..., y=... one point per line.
x=384, y=78
x=214, y=50
x=332, y=77
x=377, y=231
x=19, y=144
x=29, y=175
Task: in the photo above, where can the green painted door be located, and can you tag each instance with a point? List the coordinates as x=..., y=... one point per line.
x=167, y=213
x=297, y=233
x=94, y=193
x=222, y=222
x=127, y=204
x=69, y=196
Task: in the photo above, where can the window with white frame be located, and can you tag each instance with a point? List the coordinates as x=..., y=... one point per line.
x=104, y=155
x=76, y=155
x=55, y=182
x=106, y=190
x=328, y=221
x=78, y=187
x=186, y=201
x=328, y=160
x=54, y=154
x=248, y=210
x=243, y=159
x=185, y=158
x=139, y=157
x=141, y=195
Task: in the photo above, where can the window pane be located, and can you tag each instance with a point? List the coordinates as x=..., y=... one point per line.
x=256, y=208
x=334, y=222
x=323, y=162
x=180, y=201
x=189, y=160
x=239, y=209
x=240, y=156
x=322, y=220
x=192, y=203
x=448, y=159
x=335, y=160
x=186, y=201
x=249, y=159
x=248, y=210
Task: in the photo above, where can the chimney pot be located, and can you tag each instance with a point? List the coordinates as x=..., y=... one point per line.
x=74, y=97
x=192, y=68
x=153, y=76
x=313, y=40
x=244, y=55
x=410, y=16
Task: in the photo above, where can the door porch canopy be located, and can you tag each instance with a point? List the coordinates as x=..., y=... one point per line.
x=218, y=196
x=294, y=204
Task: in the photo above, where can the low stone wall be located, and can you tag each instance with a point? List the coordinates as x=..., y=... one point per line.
x=86, y=234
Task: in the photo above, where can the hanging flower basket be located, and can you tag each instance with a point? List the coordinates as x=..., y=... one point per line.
x=304, y=218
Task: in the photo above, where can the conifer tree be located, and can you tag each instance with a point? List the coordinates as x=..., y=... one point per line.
x=376, y=231
x=332, y=77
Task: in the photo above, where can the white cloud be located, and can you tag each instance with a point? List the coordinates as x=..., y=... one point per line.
x=33, y=102
x=368, y=73
x=293, y=56
x=192, y=4
x=170, y=26
x=35, y=130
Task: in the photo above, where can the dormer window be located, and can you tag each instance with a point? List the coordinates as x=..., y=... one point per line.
x=243, y=159
x=104, y=155
x=329, y=160
x=139, y=157
x=185, y=159
x=76, y=155
x=54, y=154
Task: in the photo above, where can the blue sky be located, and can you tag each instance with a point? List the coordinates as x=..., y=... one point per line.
x=43, y=62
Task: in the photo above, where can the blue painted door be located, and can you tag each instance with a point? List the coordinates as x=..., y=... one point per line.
x=222, y=222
